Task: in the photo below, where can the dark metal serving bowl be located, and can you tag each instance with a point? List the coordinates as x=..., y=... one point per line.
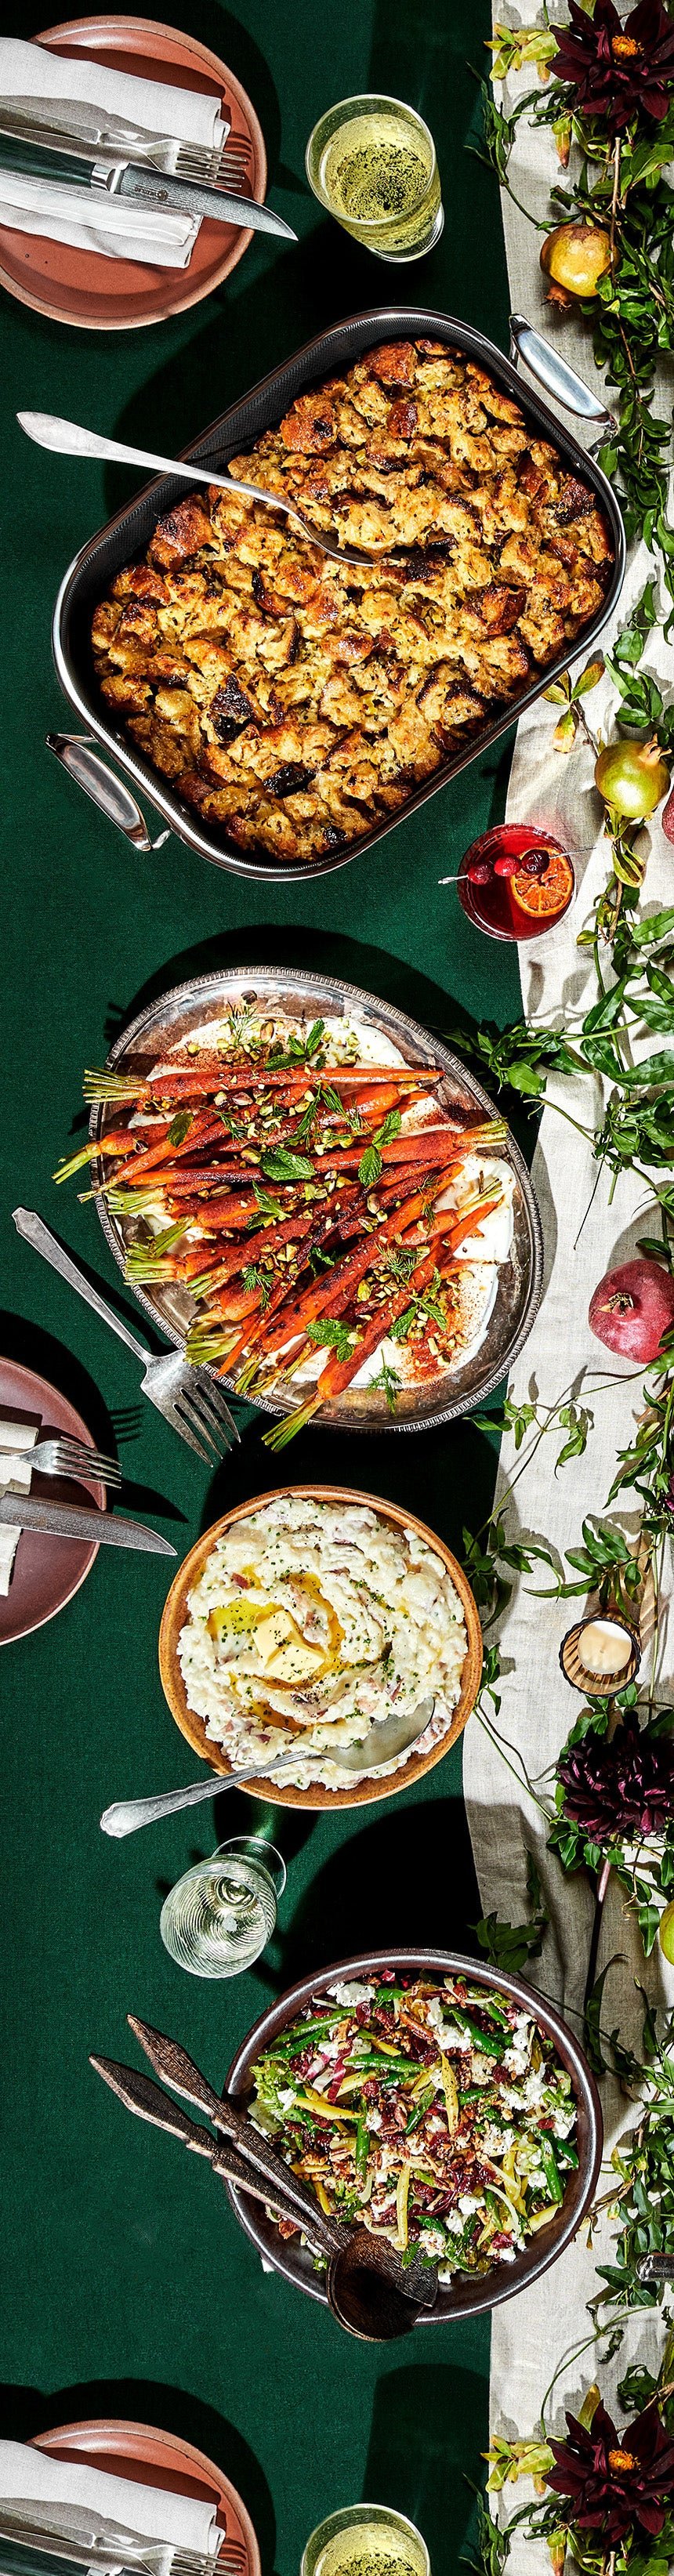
x=466, y=2296
x=129, y=532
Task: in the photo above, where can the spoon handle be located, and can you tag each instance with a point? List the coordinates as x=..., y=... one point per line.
x=130, y=1813
x=68, y=438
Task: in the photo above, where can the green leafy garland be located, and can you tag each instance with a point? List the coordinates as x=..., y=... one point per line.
x=604, y=2496
x=607, y=2497
x=622, y=150
x=619, y=186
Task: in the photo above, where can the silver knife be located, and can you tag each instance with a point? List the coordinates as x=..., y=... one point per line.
x=143, y=187
x=72, y=1520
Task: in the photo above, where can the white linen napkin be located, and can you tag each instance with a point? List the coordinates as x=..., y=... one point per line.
x=80, y=97
x=90, y=220
x=30, y=75
x=15, y=1476
x=59, y=2491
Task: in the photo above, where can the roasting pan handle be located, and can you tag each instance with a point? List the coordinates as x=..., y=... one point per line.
x=108, y=792
x=557, y=377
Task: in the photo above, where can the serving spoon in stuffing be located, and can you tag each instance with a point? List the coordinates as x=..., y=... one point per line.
x=67, y=439
x=374, y=2290
x=385, y=1739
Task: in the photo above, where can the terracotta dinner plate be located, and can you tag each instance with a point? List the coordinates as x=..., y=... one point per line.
x=155, y=2459
x=46, y=1571
x=194, y=1727
x=99, y=294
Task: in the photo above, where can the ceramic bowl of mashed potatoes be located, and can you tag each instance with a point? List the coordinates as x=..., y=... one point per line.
x=304, y=1618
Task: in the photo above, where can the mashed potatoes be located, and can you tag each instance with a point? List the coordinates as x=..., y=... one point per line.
x=310, y=1622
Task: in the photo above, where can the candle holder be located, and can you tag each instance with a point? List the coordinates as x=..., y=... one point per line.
x=581, y=1648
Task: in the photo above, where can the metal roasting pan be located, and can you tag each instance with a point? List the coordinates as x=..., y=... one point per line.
x=309, y=997
x=128, y=534
x=465, y=2296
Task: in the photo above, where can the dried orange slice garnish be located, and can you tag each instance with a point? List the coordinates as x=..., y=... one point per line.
x=543, y=897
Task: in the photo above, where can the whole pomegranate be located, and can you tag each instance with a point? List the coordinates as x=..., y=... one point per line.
x=667, y=818
x=632, y=1307
x=632, y=777
x=575, y=256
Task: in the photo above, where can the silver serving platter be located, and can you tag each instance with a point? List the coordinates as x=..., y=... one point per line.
x=306, y=998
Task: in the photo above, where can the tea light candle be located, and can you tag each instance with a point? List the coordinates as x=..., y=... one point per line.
x=601, y=1654
x=604, y=1648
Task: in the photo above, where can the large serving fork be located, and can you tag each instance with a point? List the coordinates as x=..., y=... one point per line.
x=188, y=1397
x=69, y=1458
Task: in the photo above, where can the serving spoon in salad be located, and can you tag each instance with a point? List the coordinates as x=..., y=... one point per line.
x=372, y=2291
x=385, y=1740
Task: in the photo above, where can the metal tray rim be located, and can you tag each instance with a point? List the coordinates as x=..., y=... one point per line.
x=335, y=986
x=376, y=321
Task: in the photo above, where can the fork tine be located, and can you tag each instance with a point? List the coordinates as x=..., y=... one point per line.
x=189, y=1403
x=180, y=1424
x=215, y=1397
x=78, y=1454
x=216, y=1429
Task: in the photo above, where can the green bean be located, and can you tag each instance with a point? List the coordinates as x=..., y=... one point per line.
x=551, y=2169
x=420, y=2109
x=482, y=2038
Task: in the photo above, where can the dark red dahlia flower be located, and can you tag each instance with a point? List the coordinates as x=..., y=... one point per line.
x=621, y=1788
x=612, y=2483
x=617, y=69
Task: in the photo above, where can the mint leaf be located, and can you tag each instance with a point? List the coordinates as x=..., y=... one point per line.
x=180, y=1127
x=332, y=1336
x=370, y=1162
x=279, y=1165
x=270, y=1208
x=398, y=1331
x=316, y=1032
x=391, y=1126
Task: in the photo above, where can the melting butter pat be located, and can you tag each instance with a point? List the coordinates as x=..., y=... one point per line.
x=235, y=1619
x=284, y=1652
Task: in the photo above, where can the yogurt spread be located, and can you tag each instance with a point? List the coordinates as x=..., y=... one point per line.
x=312, y=1621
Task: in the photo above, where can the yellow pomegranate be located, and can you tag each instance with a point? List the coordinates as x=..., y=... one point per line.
x=575, y=257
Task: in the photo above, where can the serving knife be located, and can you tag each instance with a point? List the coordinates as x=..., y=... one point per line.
x=72, y=1520
x=137, y=184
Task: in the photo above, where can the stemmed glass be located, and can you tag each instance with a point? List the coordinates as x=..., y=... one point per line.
x=221, y=1914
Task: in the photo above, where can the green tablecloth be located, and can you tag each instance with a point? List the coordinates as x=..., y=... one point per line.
x=127, y=2287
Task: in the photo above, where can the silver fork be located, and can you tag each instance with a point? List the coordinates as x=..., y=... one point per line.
x=188, y=1397
x=70, y=1458
x=82, y=2539
x=218, y=164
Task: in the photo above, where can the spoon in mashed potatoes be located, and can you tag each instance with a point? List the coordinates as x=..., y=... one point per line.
x=388, y=1737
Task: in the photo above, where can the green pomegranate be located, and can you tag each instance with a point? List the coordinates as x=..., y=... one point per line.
x=576, y=256
x=632, y=777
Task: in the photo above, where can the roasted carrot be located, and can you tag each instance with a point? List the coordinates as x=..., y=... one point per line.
x=338, y=1374
x=116, y=1142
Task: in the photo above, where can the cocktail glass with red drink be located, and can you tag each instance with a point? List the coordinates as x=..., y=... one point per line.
x=515, y=882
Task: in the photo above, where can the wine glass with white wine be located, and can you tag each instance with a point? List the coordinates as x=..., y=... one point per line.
x=221, y=1914
x=372, y=162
